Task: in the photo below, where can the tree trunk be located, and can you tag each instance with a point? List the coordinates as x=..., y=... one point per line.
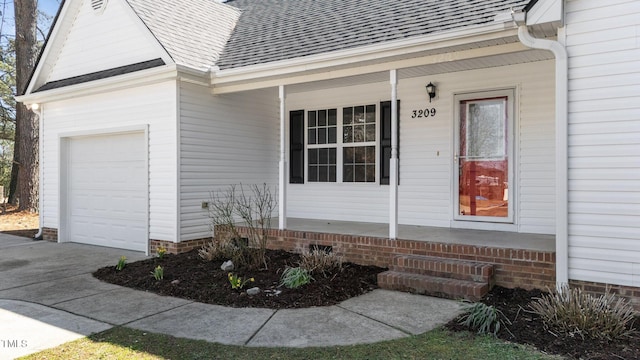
x=27, y=125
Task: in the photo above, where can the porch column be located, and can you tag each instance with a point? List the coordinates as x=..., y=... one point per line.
x=393, y=164
x=282, y=185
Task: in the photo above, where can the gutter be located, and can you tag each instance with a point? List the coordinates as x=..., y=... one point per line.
x=562, y=163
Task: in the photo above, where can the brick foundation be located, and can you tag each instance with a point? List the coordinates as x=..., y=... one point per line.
x=176, y=248
x=50, y=234
x=513, y=267
x=630, y=293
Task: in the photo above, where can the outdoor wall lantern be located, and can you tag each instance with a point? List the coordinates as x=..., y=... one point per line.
x=431, y=90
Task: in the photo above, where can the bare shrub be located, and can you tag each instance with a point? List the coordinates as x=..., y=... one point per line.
x=253, y=210
x=320, y=262
x=220, y=250
x=573, y=311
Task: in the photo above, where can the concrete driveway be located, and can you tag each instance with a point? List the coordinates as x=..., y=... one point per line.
x=48, y=297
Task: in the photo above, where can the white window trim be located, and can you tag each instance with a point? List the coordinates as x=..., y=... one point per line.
x=339, y=145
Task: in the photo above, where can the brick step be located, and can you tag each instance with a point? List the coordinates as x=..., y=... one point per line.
x=443, y=267
x=433, y=286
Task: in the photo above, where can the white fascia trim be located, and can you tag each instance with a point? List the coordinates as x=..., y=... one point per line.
x=60, y=23
x=138, y=78
x=364, y=53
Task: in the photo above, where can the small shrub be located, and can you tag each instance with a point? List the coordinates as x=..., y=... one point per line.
x=572, y=311
x=237, y=282
x=161, y=252
x=294, y=277
x=122, y=262
x=320, y=262
x=158, y=273
x=221, y=250
x=483, y=318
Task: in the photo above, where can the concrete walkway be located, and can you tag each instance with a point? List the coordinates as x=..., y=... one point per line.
x=48, y=297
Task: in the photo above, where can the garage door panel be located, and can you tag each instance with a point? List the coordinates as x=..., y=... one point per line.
x=107, y=191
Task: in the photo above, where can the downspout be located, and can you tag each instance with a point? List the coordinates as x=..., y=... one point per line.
x=562, y=186
x=39, y=236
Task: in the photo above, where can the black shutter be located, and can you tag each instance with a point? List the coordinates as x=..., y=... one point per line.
x=296, y=147
x=385, y=141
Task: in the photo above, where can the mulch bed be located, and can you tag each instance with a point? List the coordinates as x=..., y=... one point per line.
x=190, y=277
x=527, y=328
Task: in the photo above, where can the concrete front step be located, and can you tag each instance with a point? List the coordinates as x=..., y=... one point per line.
x=433, y=286
x=443, y=267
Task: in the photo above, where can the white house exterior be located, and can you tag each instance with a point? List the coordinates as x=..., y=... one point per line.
x=147, y=106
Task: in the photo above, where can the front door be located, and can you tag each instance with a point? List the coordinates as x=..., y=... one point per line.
x=483, y=160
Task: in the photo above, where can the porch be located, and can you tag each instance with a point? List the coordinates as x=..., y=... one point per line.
x=425, y=258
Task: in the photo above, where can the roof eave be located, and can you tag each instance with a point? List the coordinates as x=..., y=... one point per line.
x=221, y=77
x=135, y=79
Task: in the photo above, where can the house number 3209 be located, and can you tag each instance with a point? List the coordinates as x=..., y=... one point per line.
x=423, y=113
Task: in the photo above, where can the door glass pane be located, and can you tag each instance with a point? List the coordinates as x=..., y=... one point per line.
x=483, y=162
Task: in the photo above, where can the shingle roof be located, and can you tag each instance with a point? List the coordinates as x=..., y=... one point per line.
x=194, y=32
x=272, y=30
x=121, y=70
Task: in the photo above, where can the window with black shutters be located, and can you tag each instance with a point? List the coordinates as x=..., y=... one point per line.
x=322, y=127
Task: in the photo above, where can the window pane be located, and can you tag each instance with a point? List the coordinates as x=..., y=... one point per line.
x=358, y=117
x=313, y=173
x=312, y=118
x=323, y=156
x=360, y=155
x=313, y=156
x=371, y=132
x=312, y=136
x=332, y=156
x=322, y=135
x=322, y=118
x=333, y=117
x=332, y=135
x=323, y=174
x=348, y=155
x=371, y=173
x=332, y=173
x=358, y=133
x=348, y=134
x=347, y=173
x=359, y=173
x=370, y=154
x=371, y=113
x=347, y=115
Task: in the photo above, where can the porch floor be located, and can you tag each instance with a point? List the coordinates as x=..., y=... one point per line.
x=499, y=239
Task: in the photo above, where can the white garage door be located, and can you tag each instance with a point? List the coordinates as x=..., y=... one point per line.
x=107, y=191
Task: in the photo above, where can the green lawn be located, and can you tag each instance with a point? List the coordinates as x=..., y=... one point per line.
x=125, y=343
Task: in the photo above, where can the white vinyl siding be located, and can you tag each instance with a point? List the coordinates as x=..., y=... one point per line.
x=426, y=158
x=153, y=105
x=603, y=42
x=105, y=40
x=224, y=140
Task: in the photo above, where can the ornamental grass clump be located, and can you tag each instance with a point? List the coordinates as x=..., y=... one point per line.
x=575, y=312
x=294, y=277
x=320, y=262
x=483, y=318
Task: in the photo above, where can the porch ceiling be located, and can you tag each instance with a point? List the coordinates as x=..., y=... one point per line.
x=520, y=57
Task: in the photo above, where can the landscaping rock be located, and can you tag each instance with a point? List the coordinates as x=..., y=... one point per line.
x=253, y=291
x=227, y=265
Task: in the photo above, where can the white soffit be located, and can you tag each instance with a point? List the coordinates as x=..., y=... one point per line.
x=425, y=70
